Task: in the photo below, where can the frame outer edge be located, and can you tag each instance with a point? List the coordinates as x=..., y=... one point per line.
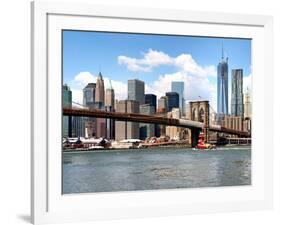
x=39, y=11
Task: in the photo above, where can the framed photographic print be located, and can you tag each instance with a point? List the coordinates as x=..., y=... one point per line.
x=147, y=112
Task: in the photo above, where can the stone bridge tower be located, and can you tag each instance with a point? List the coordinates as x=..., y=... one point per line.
x=199, y=111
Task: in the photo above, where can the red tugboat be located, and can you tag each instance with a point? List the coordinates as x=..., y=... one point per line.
x=201, y=145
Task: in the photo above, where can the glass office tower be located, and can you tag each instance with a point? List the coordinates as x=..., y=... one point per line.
x=136, y=91
x=151, y=99
x=237, y=104
x=222, y=87
x=178, y=86
x=67, y=102
x=172, y=100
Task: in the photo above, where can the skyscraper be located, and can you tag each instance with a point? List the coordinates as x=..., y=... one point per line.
x=172, y=100
x=151, y=100
x=99, y=104
x=162, y=104
x=136, y=91
x=237, y=106
x=110, y=107
x=67, y=102
x=178, y=86
x=110, y=97
x=89, y=95
x=222, y=86
x=99, y=94
x=83, y=124
x=247, y=105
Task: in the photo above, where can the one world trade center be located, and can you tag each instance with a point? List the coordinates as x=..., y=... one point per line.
x=222, y=87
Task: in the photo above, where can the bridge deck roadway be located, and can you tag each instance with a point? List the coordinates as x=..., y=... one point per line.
x=155, y=119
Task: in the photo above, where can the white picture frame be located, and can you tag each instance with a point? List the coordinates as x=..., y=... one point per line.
x=47, y=203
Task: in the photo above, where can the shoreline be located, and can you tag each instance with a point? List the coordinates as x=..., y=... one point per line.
x=187, y=147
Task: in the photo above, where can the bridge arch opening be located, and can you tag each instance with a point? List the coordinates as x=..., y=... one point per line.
x=201, y=115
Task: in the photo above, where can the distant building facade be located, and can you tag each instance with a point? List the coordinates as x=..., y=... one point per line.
x=147, y=129
x=172, y=100
x=110, y=98
x=127, y=130
x=136, y=91
x=175, y=133
x=151, y=99
x=86, y=126
x=110, y=125
x=237, y=105
x=162, y=105
x=247, y=105
x=89, y=95
x=233, y=122
x=110, y=107
x=78, y=126
x=178, y=86
x=90, y=130
x=67, y=120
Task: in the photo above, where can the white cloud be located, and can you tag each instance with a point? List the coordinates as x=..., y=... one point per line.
x=153, y=58
x=83, y=78
x=247, y=83
x=186, y=63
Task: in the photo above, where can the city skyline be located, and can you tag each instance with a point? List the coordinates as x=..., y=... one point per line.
x=157, y=64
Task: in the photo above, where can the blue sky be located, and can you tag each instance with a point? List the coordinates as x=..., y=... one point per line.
x=155, y=59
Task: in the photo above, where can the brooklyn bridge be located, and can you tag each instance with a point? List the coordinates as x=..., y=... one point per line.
x=199, y=121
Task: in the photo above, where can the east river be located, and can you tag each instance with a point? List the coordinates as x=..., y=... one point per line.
x=157, y=168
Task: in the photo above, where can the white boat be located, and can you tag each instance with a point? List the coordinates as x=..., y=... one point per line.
x=96, y=147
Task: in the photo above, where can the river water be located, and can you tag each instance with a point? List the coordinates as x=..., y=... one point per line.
x=150, y=169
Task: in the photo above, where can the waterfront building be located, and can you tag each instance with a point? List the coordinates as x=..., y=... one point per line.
x=127, y=130
x=247, y=126
x=89, y=129
x=178, y=86
x=136, y=91
x=247, y=105
x=100, y=127
x=67, y=120
x=222, y=86
x=237, y=106
x=147, y=129
x=110, y=97
x=78, y=126
x=175, y=133
x=172, y=100
x=233, y=122
x=99, y=92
